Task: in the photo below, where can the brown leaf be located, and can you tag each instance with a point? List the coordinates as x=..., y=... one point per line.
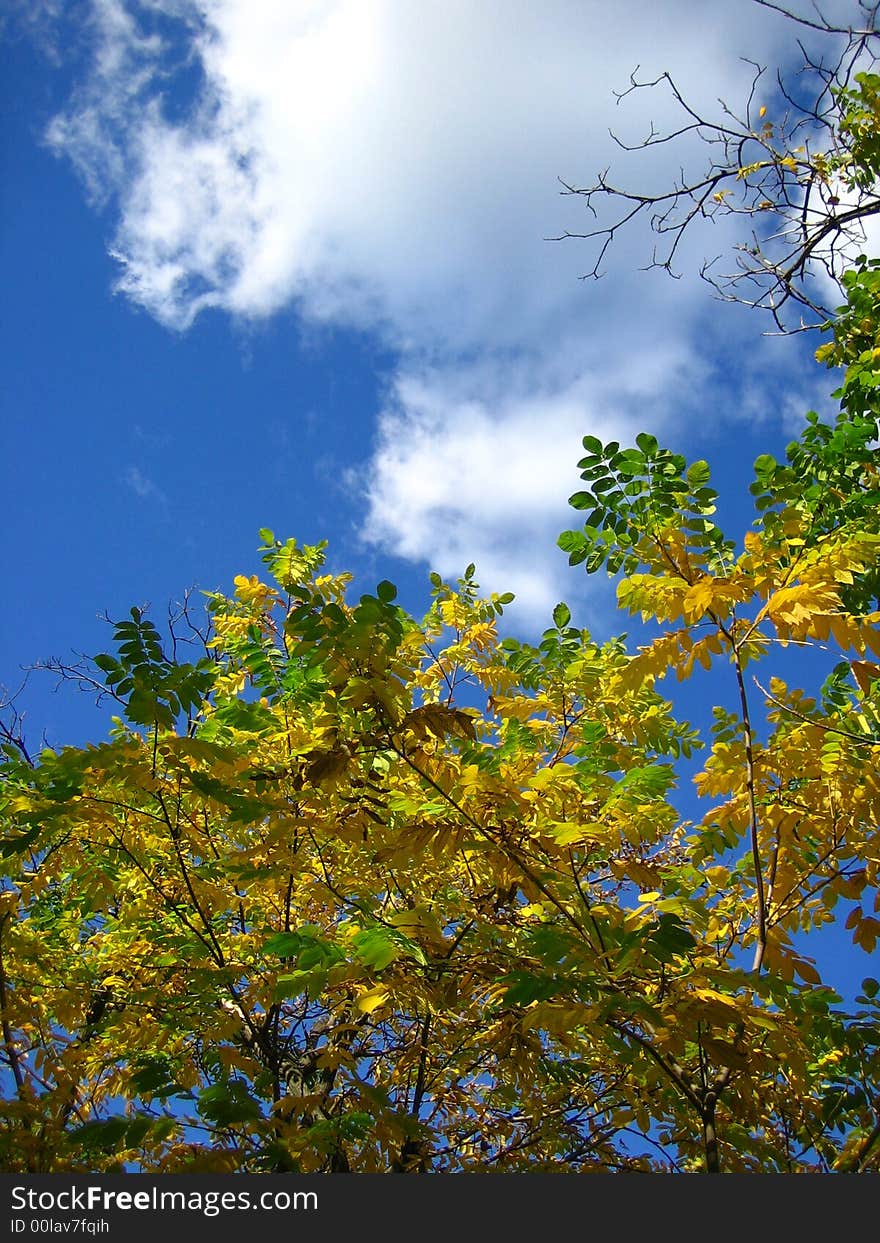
x=439, y=720
x=865, y=672
x=326, y=766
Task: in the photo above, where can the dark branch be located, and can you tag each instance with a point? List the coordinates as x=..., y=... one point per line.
x=790, y=173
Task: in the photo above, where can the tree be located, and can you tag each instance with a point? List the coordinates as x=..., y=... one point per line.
x=792, y=829
x=798, y=165
x=316, y=917
x=793, y=775
x=356, y=892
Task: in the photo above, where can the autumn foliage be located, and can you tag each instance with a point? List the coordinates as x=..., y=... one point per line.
x=359, y=892
x=354, y=891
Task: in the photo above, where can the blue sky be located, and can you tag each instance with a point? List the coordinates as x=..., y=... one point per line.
x=287, y=266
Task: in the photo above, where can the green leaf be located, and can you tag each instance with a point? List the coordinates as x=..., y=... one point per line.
x=155, y=1078
x=18, y=845
x=375, y=947
x=670, y=938
x=698, y=475
x=572, y=541
x=284, y=944
x=523, y=988
x=295, y=983
x=103, y=1135
x=765, y=465
x=386, y=591
x=228, y=1103
x=561, y=615
x=138, y=1129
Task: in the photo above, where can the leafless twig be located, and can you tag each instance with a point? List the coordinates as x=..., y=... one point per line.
x=784, y=166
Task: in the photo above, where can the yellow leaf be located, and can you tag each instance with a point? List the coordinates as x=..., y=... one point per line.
x=644, y=875
x=762, y=111
x=764, y=1020
x=565, y=834
x=417, y=920
x=698, y=599
x=372, y=999
x=719, y=999
x=718, y=876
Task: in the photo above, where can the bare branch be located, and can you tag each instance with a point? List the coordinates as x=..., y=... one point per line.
x=821, y=22
x=791, y=174
x=12, y=723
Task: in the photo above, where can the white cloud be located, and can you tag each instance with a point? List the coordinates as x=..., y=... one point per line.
x=384, y=163
x=393, y=166
x=476, y=463
x=94, y=132
x=142, y=485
